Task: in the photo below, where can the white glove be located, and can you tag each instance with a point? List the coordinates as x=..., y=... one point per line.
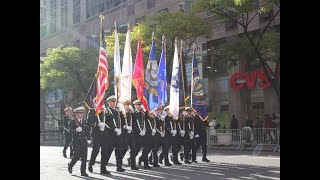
x=191, y=134
x=79, y=129
x=153, y=131
x=124, y=127
x=142, y=133
x=129, y=128
x=171, y=132
x=211, y=124
x=162, y=134
x=196, y=136
x=174, y=132
x=101, y=124
x=182, y=132
x=118, y=131
x=129, y=131
x=89, y=141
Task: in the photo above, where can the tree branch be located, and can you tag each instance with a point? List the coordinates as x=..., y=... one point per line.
x=265, y=28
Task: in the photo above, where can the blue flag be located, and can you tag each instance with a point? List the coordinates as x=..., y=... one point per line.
x=151, y=79
x=183, y=84
x=197, y=92
x=162, y=78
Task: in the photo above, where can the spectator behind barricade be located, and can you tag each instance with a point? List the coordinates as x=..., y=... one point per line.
x=274, y=120
x=249, y=123
x=258, y=123
x=234, y=123
x=267, y=121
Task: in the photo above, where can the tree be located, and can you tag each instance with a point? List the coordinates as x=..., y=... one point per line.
x=68, y=68
x=243, y=12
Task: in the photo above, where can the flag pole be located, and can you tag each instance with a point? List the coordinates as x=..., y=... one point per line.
x=165, y=65
x=194, y=47
x=84, y=101
x=184, y=91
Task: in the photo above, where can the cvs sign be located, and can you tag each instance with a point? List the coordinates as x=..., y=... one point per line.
x=249, y=79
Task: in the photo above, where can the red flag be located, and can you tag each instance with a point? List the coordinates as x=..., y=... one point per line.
x=138, y=77
x=102, y=80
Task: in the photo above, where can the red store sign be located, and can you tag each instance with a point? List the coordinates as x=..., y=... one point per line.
x=249, y=79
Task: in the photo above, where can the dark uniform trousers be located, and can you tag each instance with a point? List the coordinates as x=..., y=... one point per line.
x=79, y=144
x=180, y=140
x=157, y=142
x=127, y=139
x=172, y=142
x=200, y=129
x=98, y=138
x=189, y=143
x=67, y=135
x=141, y=141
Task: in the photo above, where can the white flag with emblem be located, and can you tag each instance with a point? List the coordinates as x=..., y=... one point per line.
x=174, y=87
x=117, y=67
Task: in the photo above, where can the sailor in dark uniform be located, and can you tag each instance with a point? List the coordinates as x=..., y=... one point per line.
x=66, y=131
x=80, y=140
x=142, y=133
x=113, y=121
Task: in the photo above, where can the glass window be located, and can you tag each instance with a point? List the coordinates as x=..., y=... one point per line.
x=53, y=16
x=42, y=22
x=108, y=4
x=76, y=11
x=117, y=3
x=64, y=14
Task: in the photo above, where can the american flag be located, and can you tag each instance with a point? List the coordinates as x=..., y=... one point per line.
x=102, y=79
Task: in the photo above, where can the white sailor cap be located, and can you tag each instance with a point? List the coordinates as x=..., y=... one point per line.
x=136, y=102
x=111, y=98
x=166, y=108
x=67, y=109
x=79, y=110
x=188, y=109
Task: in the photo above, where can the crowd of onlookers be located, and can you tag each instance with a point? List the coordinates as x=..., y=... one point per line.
x=268, y=121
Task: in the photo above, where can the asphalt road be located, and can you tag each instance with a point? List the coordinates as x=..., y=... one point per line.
x=228, y=165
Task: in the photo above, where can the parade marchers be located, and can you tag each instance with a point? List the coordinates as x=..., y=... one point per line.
x=120, y=126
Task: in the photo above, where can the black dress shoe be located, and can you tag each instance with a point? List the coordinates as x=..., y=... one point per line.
x=84, y=174
x=156, y=165
x=104, y=171
x=140, y=161
x=205, y=160
x=134, y=168
x=195, y=161
x=90, y=168
x=64, y=154
x=187, y=162
x=181, y=156
x=129, y=161
x=168, y=164
x=69, y=168
x=146, y=167
x=177, y=163
x=120, y=169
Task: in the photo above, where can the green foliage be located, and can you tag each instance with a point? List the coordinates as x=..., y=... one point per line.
x=68, y=68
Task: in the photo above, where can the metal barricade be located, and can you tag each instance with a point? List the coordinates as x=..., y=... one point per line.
x=244, y=137
x=223, y=137
x=260, y=136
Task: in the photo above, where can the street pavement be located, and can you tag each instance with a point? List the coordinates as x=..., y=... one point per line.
x=228, y=165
